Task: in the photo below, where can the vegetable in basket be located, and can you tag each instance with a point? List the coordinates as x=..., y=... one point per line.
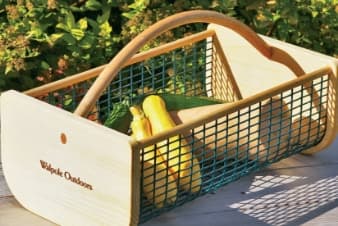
x=120, y=117
x=174, y=102
x=159, y=185
x=175, y=149
x=260, y=134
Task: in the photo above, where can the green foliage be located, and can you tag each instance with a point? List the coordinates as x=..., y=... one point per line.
x=312, y=24
x=44, y=40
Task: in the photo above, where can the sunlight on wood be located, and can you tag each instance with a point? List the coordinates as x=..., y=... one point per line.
x=285, y=206
x=262, y=182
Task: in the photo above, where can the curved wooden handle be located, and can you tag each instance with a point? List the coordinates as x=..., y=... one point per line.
x=188, y=17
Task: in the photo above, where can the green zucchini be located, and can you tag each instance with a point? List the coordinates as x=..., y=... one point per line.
x=175, y=102
x=120, y=117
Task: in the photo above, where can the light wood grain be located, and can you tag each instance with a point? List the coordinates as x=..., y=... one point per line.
x=233, y=107
x=227, y=205
x=255, y=73
x=239, y=133
x=255, y=88
x=300, y=190
x=252, y=78
x=221, y=83
x=99, y=160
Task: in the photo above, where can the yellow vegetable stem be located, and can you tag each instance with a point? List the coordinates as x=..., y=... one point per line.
x=174, y=150
x=159, y=185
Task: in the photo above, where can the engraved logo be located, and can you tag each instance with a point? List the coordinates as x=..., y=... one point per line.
x=65, y=174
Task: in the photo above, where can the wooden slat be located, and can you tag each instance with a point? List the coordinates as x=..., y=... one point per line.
x=312, y=177
x=254, y=74
x=232, y=107
x=176, y=20
x=92, y=73
x=170, y=46
x=79, y=169
x=228, y=72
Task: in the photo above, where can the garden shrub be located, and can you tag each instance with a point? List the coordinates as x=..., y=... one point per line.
x=45, y=40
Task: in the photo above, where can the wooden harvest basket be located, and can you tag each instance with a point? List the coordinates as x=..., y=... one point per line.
x=75, y=171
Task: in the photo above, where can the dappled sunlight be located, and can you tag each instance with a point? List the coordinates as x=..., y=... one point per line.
x=269, y=181
x=283, y=207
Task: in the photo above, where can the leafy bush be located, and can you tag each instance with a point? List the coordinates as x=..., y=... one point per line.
x=44, y=40
x=312, y=24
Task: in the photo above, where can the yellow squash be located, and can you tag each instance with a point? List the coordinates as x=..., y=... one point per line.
x=159, y=185
x=264, y=133
x=174, y=150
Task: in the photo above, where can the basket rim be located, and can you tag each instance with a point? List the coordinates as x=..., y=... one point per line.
x=234, y=106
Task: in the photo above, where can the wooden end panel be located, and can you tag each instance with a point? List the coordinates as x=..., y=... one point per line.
x=65, y=168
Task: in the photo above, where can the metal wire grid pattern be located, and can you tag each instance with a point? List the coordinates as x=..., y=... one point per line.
x=235, y=145
x=220, y=151
x=220, y=82
x=180, y=71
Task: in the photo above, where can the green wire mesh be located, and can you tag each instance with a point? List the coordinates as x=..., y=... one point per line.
x=242, y=142
x=215, y=153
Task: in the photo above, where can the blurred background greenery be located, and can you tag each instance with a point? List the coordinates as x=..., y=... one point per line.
x=45, y=40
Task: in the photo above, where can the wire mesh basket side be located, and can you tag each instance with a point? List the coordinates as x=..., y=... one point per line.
x=220, y=81
x=221, y=150
x=185, y=70
x=241, y=142
x=188, y=70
